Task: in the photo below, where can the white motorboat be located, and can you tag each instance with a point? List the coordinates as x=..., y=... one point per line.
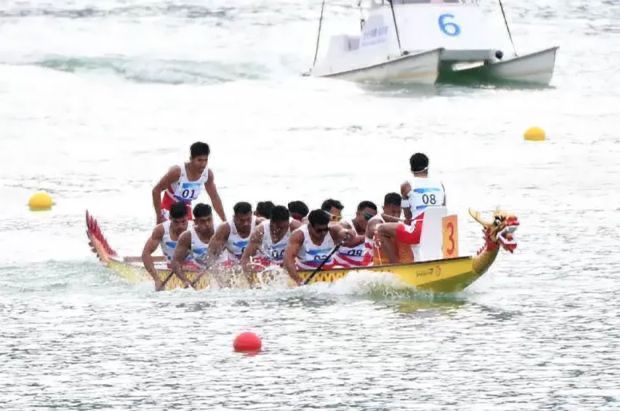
x=423, y=41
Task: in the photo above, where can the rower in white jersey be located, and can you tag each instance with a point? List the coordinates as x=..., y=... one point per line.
x=311, y=244
x=359, y=255
x=269, y=240
x=419, y=193
x=166, y=235
x=191, y=249
x=233, y=236
x=184, y=183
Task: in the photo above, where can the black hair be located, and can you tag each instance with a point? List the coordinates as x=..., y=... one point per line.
x=366, y=204
x=298, y=207
x=178, y=210
x=279, y=213
x=418, y=162
x=242, y=208
x=392, y=199
x=318, y=217
x=202, y=210
x=331, y=203
x=199, y=149
x=263, y=208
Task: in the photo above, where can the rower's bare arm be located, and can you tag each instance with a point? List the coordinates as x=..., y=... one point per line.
x=256, y=240
x=170, y=177
x=181, y=251
x=292, y=249
x=217, y=243
x=357, y=238
x=405, y=189
x=346, y=236
x=215, y=196
x=149, y=248
x=371, y=228
x=294, y=225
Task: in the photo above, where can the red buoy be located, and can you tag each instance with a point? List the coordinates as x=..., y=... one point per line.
x=247, y=342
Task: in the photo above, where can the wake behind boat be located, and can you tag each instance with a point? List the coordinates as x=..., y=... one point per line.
x=423, y=41
x=436, y=275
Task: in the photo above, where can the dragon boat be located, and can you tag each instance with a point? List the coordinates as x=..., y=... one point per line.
x=444, y=275
x=438, y=275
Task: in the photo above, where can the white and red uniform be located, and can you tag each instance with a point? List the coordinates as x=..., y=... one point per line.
x=425, y=192
x=273, y=253
x=235, y=245
x=184, y=191
x=310, y=255
x=167, y=244
x=199, y=250
x=358, y=256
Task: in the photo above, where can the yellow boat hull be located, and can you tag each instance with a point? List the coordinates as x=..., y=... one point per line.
x=442, y=276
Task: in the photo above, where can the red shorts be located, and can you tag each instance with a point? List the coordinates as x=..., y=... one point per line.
x=409, y=234
x=167, y=202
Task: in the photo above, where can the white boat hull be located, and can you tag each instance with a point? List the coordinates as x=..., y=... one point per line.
x=413, y=42
x=534, y=68
x=420, y=68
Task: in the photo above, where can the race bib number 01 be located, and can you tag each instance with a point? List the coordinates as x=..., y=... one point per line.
x=450, y=229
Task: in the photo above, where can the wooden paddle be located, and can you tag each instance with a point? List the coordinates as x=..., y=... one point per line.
x=163, y=285
x=316, y=270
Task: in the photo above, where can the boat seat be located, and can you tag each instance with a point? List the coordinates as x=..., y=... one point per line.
x=431, y=240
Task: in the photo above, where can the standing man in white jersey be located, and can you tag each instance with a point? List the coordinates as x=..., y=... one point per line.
x=418, y=193
x=310, y=245
x=194, y=243
x=166, y=235
x=185, y=182
x=270, y=239
x=361, y=254
x=233, y=236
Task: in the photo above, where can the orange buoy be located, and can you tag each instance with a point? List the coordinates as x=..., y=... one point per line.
x=247, y=342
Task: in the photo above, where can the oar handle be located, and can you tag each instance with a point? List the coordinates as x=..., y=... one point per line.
x=198, y=277
x=163, y=285
x=316, y=270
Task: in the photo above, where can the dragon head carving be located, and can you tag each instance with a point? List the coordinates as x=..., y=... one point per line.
x=500, y=231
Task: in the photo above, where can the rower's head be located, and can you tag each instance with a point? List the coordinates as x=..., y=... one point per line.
x=333, y=208
x=243, y=216
x=263, y=209
x=298, y=210
x=203, y=218
x=178, y=217
x=419, y=164
x=318, y=224
x=199, y=155
x=365, y=211
x=279, y=218
x=392, y=204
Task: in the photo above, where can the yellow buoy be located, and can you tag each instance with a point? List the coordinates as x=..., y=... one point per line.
x=40, y=201
x=534, y=134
